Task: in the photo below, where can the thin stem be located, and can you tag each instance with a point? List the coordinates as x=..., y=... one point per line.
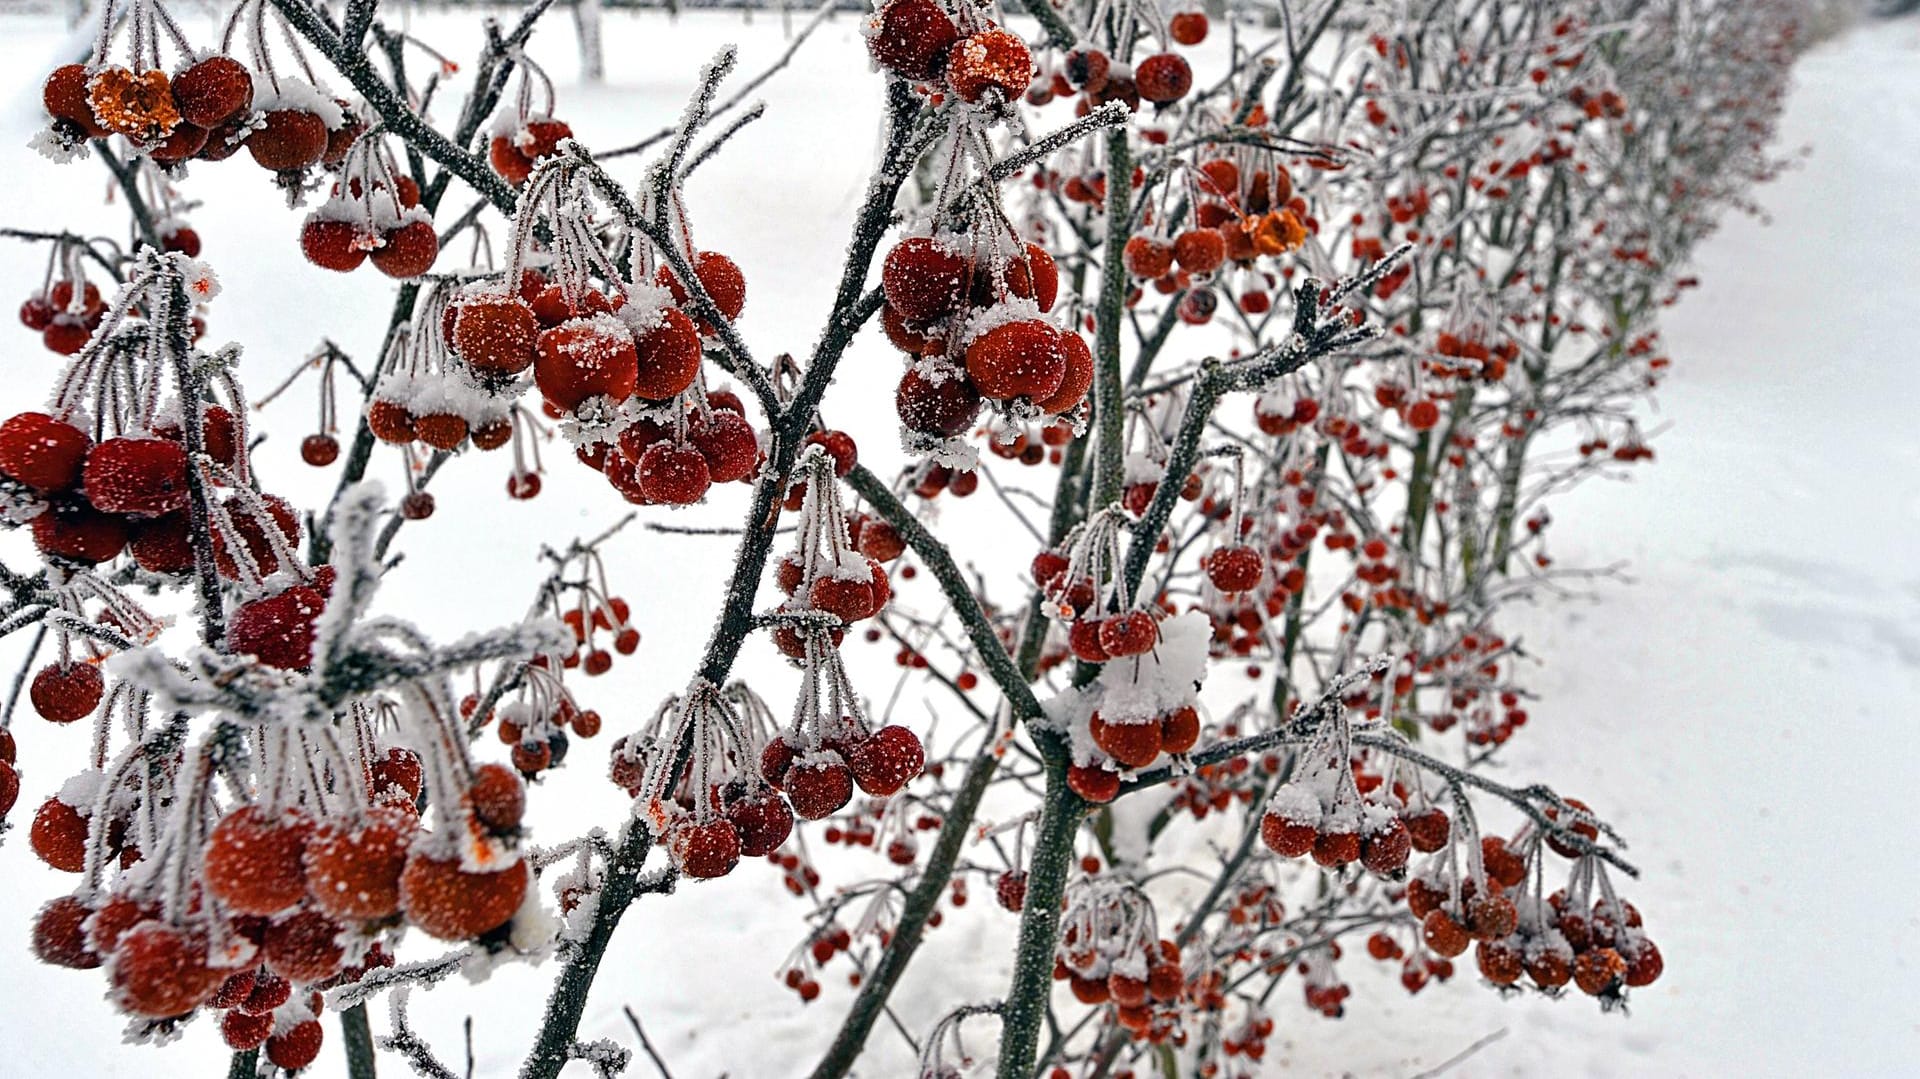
x=986, y=641
x=561, y=1023
x=191, y=389
x=1027, y=1005
x=356, y=1036
x=911, y=928
x=126, y=174
x=1109, y=400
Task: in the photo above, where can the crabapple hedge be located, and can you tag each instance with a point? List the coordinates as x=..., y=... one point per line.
x=1280, y=351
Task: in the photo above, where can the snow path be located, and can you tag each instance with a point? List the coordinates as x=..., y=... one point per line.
x=1731, y=708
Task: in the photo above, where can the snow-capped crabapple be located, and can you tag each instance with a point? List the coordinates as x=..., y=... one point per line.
x=585, y=357
x=911, y=37
x=514, y=154
x=1132, y=745
x=136, y=476
x=1429, y=828
x=73, y=531
x=277, y=630
x=213, y=91
x=407, y=251
x=818, y=787
x=159, y=971
x=1444, y=934
x=887, y=760
x=296, y=1047
x=1333, y=848
x=1386, y=847
x=43, y=452
x=114, y=918
x=254, y=860
x=990, y=59
x=1598, y=971
x=1582, y=828
x=1503, y=864
x=58, y=835
x=673, y=474
x=1093, y=783
x=390, y=421
x=667, y=357
x=923, y=279
x=497, y=335
x=498, y=799
x=1288, y=833
x=65, y=97
x=720, y=276
x=763, y=820
x=1128, y=633
x=1017, y=359
x=65, y=692
x=704, y=849
x=946, y=407
x=1234, y=567
x=59, y=936
x=1146, y=257
x=727, y=441
x=288, y=140
x=1179, y=730
x=446, y=901
x=1075, y=380
x=243, y=1030
x=353, y=867
x=303, y=947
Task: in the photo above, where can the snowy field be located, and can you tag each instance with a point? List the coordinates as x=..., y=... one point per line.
x=1739, y=702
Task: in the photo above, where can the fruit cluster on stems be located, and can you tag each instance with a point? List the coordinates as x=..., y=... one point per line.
x=1440, y=243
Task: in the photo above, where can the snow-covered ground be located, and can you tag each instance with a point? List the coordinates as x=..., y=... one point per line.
x=1737, y=705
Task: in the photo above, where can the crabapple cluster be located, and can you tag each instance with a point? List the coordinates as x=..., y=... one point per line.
x=1221, y=210
x=967, y=297
x=1111, y=952
x=211, y=105
x=830, y=581
x=524, y=135
x=543, y=717
x=1142, y=704
x=296, y=879
x=1160, y=78
x=372, y=214
x=693, y=769
x=1242, y=210
x=962, y=52
x=717, y=781
x=615, y=359
x=820, y=758
x=965, y=308
x=801, y=972
x=93, y=488
x=1581, y=933
x=65, y=312
x=1319, y=811
x=620, y=366
x=297, y=893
